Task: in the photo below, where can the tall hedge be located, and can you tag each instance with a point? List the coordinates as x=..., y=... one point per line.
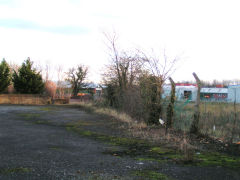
x=5, y=77
x=27, y=80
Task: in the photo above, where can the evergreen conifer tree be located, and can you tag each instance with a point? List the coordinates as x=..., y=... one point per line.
x=5, y=77
x=27, y=80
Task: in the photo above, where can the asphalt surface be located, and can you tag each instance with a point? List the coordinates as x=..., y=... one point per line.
x=47, y=151
x=30, y=149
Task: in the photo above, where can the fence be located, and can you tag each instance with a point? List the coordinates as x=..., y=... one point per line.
x=217, y=119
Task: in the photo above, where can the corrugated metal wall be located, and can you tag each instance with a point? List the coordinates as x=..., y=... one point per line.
x=234, y=94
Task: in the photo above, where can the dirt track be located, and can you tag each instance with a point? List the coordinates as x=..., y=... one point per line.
x=35, y=143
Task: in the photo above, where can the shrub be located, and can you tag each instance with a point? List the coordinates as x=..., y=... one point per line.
x=50, y=88
x=5, y=78
x=27, y=80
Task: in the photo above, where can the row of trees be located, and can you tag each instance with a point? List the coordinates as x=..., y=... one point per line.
x=25, y=80
x=28, y=80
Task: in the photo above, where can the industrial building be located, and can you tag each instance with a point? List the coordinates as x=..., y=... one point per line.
x=183, y=92
x=234, y=93
x=214, y=94
x=189, y=92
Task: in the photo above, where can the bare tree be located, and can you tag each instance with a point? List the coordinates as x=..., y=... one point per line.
x=76, y=77
x=50, y=88
x=61, y=85
x=161, y=69
x=47, y=72
x=121, y=76
x=124, y=68
x=13, y=67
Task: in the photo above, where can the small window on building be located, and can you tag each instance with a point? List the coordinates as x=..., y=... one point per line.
x=207, y=96
x=188, y=95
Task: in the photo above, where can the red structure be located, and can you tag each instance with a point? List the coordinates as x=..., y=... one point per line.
x=185, y=84
x=219, y=86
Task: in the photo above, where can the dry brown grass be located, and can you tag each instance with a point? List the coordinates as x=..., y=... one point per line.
x=216, y=119
x=155, y=134
x=174, y=138
x=121, y=116
x=140, y=130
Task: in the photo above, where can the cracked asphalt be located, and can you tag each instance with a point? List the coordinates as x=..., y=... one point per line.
x=35, y=144
x=49, y=151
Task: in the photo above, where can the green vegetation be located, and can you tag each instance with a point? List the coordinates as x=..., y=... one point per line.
x=160, y=150
x=27, y=80
x=146, y=152
x=47, y=109
x=34, y=118
x=143, y=150
x=5, y=77
x=151, y=175
x=133, y=147
x=14, y=170
x=151, y=98
x=209, y=159
x=216, y=119
x=118, y=141
x=217, y=159
x=56, y=148
x=29, y=116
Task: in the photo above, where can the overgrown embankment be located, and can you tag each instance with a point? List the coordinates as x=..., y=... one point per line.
x=152, y=143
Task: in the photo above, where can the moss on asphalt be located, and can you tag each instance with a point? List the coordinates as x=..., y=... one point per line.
x=151, y=175
x=14, y=170
x=29, y=116
x=217, y=159
x=144, y=151
x=118, y=141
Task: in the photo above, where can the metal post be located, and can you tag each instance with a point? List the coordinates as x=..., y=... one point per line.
x=194, y=127
x=235, y=115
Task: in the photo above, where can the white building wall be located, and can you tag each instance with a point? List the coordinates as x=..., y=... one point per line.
x=166, y=91
x=234, y=93
x=180, y=92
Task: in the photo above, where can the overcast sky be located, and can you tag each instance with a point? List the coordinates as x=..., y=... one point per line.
x=204, y=33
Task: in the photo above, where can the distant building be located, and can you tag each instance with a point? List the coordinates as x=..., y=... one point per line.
x=189, y=92
x=91, y=90
x=183, y=91
x=234, y=93
x=214, y=94
x=186, y=93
